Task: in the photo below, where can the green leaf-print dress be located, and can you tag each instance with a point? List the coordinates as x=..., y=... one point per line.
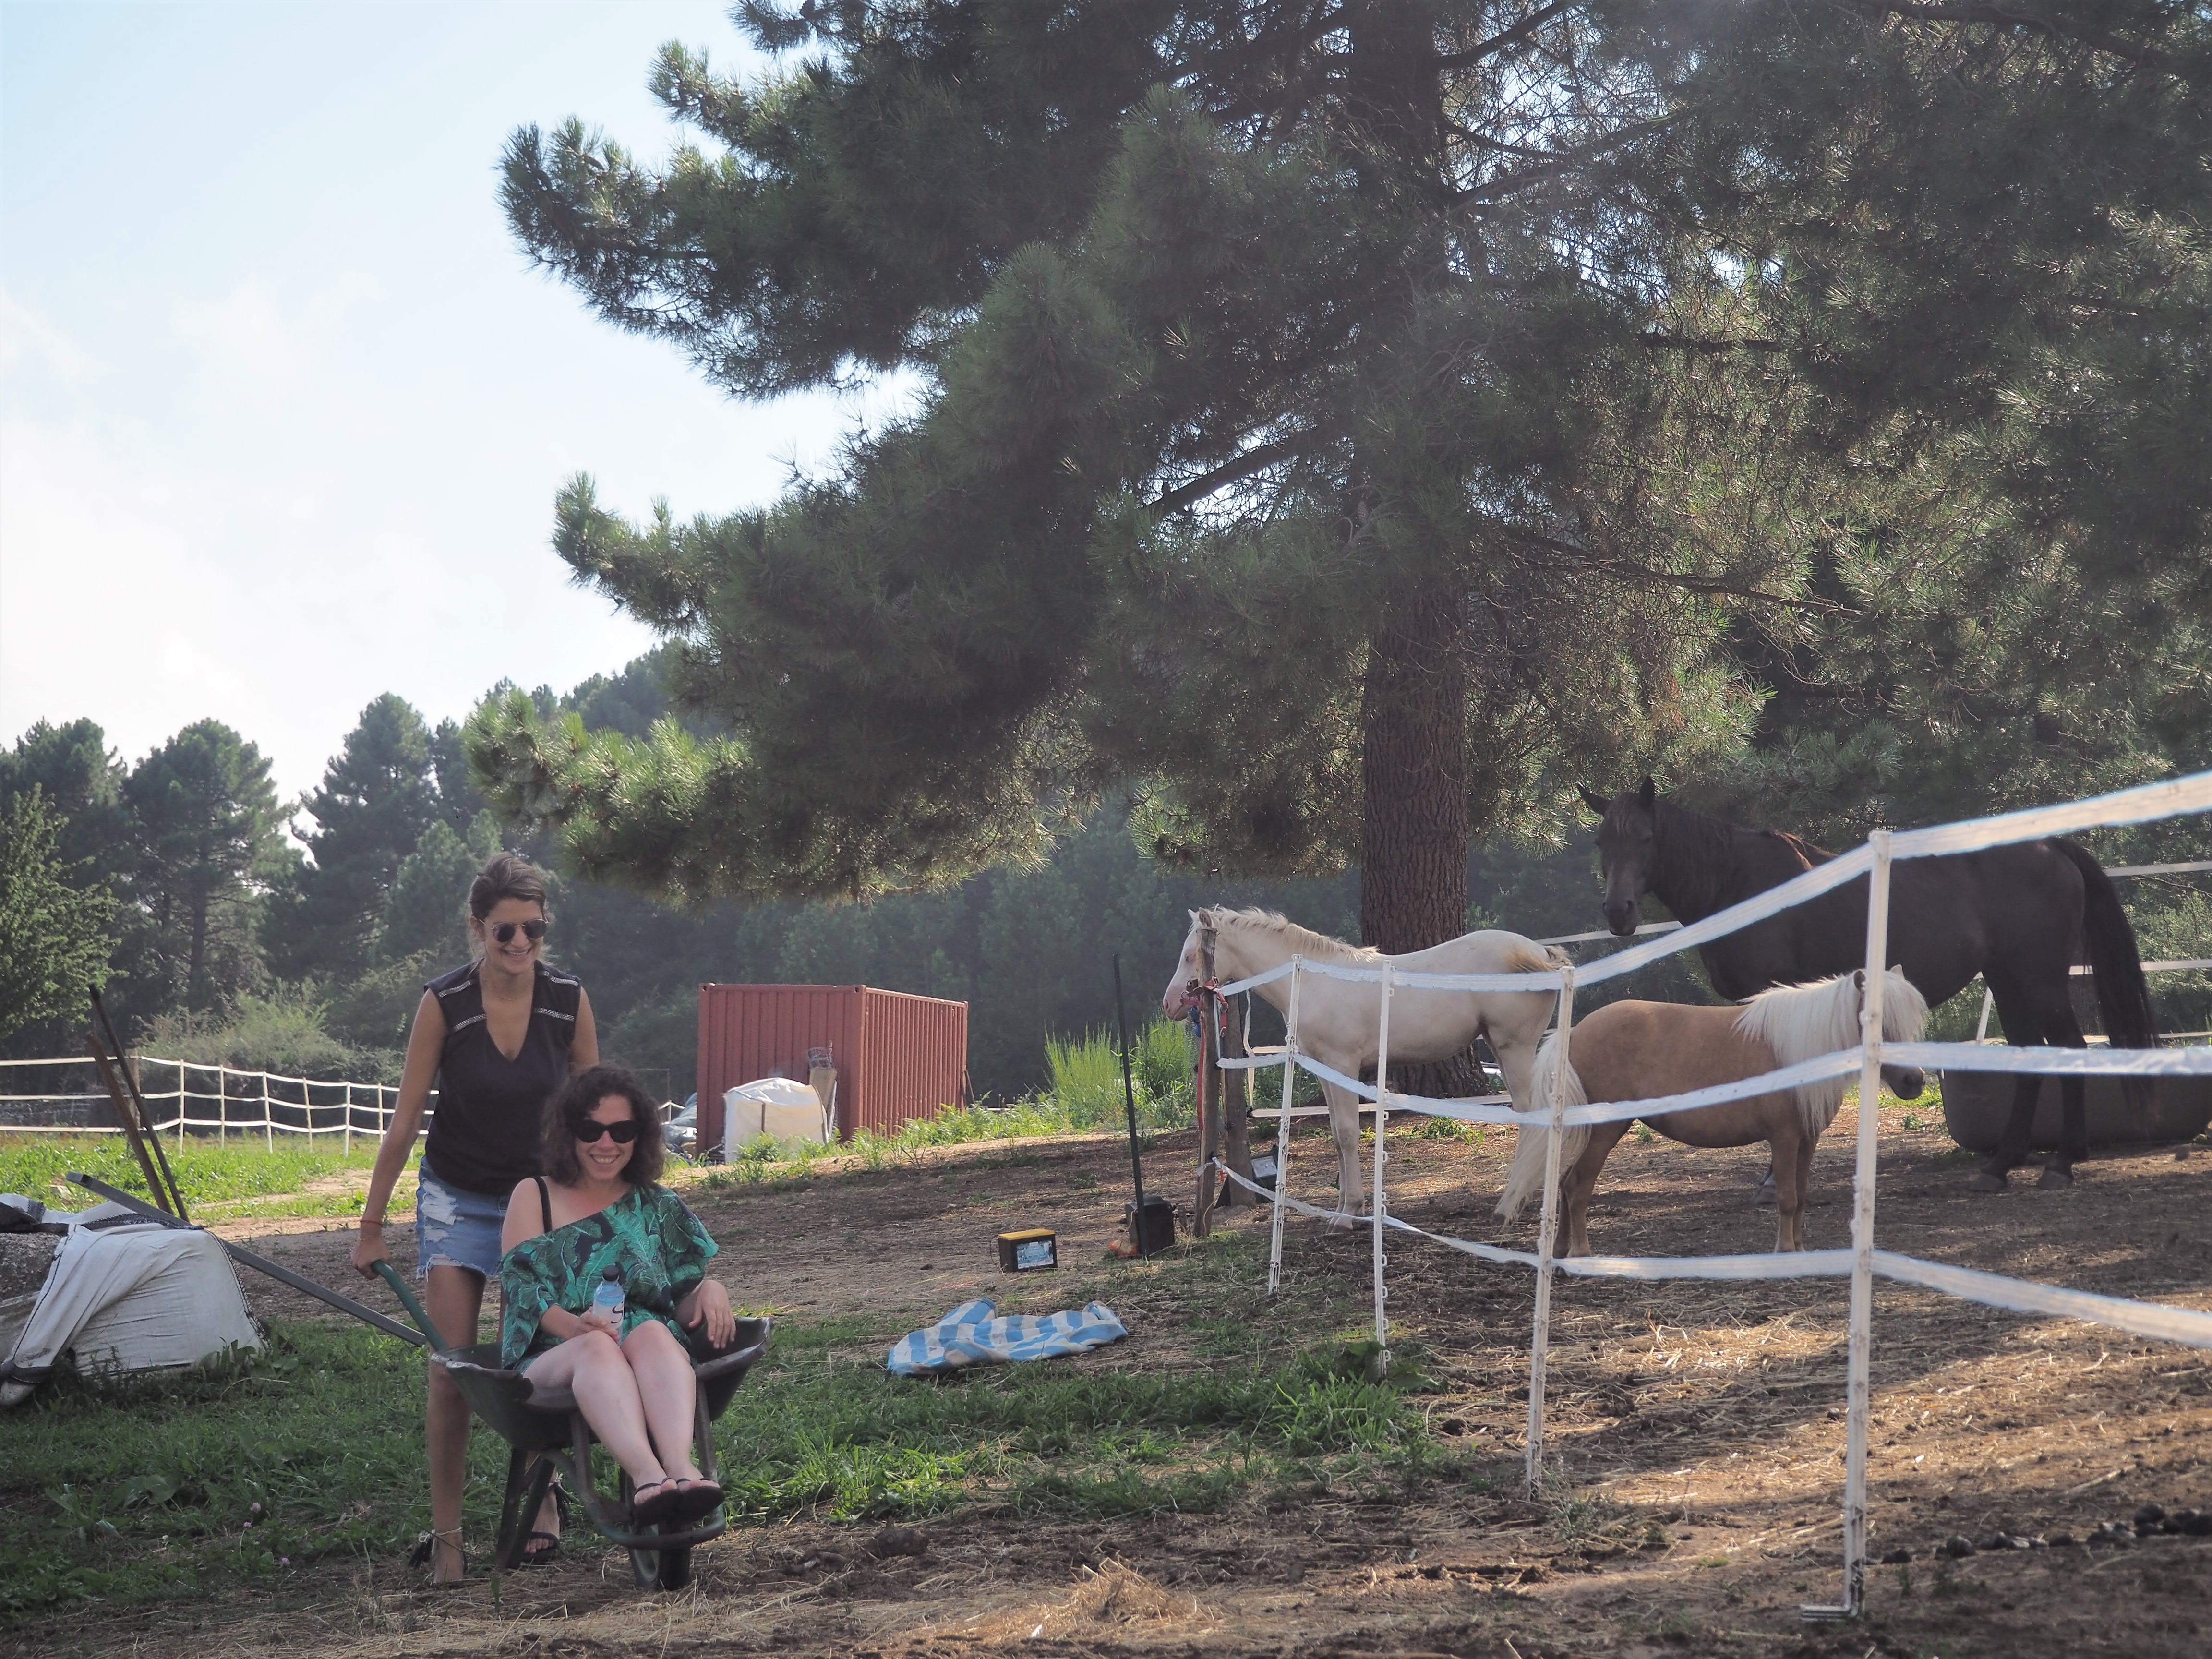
x=657, y=1243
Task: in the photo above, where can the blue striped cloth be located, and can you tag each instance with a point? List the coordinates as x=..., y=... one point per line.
x=971, y=1336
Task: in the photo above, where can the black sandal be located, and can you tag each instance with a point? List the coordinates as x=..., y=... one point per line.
x=661, y=1506
x=541, y=1549
x=698, y=1500
x=425, y=1549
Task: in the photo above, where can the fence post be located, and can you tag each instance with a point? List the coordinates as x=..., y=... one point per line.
x=1382, y=1366
x=268, y=1127
x=1859, y=1389
x=347, y=1140
x=1546, y=1236
x=1283, y=1135
x=221, y=1105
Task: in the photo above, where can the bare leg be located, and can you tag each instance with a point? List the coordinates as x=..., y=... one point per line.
x=667, y=1393
x=597, y=1373
x=453, y=1297
x=1789, y=1168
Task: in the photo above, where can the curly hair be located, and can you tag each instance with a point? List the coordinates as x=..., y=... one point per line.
x=567, y=1111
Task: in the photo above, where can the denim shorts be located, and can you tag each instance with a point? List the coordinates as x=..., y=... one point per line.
x=455, y=1229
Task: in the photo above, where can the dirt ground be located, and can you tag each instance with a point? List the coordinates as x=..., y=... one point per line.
x=1697, y=1430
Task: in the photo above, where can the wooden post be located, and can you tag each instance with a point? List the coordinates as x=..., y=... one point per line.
x=1209, y=1089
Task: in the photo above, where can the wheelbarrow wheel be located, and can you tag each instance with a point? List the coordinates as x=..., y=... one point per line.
x=667, y=1570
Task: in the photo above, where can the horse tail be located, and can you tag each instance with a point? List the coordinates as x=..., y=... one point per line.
x=2123, y=993
x=1525, y=1179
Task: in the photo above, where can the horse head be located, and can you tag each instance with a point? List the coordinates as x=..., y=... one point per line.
x=1176, y=1001
x=1904, y=1013
x=1627, y=845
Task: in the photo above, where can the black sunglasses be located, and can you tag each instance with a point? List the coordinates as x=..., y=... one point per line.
x=504, y=930
x=591, y=1130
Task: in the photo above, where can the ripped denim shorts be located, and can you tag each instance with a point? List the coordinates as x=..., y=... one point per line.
x=455, y=1229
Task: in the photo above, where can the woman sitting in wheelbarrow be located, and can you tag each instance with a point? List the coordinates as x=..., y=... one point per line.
x=599, y=1206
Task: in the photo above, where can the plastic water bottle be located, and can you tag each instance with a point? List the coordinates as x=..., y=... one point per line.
x=608, y=1298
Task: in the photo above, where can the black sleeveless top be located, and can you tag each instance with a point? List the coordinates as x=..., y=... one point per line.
x=485, y=1135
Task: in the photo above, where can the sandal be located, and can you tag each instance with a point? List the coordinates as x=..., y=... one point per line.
x=541, y=1549
x=653, y=1502
x=425, y=1551
x=696, y=1500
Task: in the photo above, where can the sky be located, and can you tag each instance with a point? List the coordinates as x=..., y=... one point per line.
x=282, y=407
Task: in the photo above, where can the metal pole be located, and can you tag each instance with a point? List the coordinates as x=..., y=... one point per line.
x=1283, y=1136
x=1129, y=1098
x=1857, y=1397
x=268, y=1126
x=1382, y=1367
x=1982, y=1027
x=1548, y=1232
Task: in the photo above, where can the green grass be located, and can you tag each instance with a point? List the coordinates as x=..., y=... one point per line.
x=225, y=1178
x=148, y=1493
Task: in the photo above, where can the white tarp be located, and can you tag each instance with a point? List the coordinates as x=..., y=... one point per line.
x=128, y=1298
x=780, y=1107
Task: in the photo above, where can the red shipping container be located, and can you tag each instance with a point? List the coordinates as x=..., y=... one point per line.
x=898, y=1056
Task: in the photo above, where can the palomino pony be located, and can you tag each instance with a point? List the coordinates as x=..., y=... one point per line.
x=1642, y=1050
x=2018, y=915
x=1338, y=1020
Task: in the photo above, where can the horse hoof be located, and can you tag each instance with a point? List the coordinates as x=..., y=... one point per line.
x=2052, y=1176
x=1987, y=1181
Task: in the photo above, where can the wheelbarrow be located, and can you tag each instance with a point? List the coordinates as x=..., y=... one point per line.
x=545, y=1432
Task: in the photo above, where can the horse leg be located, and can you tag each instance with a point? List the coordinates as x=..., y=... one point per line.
x=2065, y=1032
x=1764, y=1198
x=2023, y=1027
x=1344, y=1127
x=1791, y=1159
x=1579, y=1184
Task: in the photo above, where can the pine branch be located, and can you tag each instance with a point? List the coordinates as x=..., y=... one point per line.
x=1657, y=340
x=1932, y=11
x=1251, y=461
x=1498, y=42
x=1629, y=570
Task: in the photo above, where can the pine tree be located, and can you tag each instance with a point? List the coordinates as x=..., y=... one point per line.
x=1354, y=419
x=55, y=930
x=378, y=795
x=1261, y=366
x=210, y=840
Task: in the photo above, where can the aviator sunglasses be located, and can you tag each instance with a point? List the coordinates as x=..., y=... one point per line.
x=591, y=1130
x=504, y=930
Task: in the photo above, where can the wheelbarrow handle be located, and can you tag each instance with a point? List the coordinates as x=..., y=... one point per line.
x=390, y=1275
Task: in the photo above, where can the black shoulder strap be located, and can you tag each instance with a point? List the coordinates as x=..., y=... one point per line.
x=545, y=1201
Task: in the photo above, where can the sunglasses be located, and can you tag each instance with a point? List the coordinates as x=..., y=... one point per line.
x=591, y=1130
x=504, y=931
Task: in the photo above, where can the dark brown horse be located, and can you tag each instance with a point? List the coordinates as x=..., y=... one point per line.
x=2017, y=915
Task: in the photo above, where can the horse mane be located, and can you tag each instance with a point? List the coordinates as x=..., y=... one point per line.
x=1699, y=853
x=1303, y=941
x=1803, y=1022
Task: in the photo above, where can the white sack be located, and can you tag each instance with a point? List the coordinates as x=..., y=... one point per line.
x=777, y=1107
x=132, y=1299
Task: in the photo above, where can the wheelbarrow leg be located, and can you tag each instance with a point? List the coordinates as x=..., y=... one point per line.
x=526, y=1484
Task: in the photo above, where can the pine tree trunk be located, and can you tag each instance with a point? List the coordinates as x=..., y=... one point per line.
x=1413, y=712
x=1413, y=872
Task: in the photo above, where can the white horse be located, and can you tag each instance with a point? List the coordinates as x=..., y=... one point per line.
x=1339, y=1019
